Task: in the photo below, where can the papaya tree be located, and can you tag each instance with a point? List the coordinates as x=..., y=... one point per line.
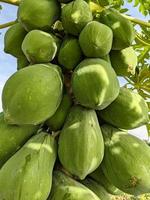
x=66, y=101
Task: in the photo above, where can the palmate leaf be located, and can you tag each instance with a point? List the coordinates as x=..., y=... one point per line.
x=143, y=5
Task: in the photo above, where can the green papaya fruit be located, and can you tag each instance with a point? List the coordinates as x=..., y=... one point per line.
x=127, y=161
x=38, y=14
x=57, y=121
x=75, y=15
x=70, y=53
x=124, y=61
x=12, y=138
x=123, y=31
x=95, y=84
x=39, y=47
x=66, y=188
x=128, y=111
x=32, y=95
x=22, y=62
x=97, y=189
x=28, y=174
x=77, y=153
x=96, y=39
x=101, y=179
x=13, y=39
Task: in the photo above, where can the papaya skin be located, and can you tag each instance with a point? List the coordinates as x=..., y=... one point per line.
x=123, y=31
x=124, y=61
x=67, y=188
x=32, y=103
x=75, y=15
x=96, y=40
x=29, y=171
x=128, y=111
x=13, y=138
x=95, y=84
x=76, y=152
x=70, y=53
x=39, y=47
x=126, y=161
x=13, y=40
x=38, y=14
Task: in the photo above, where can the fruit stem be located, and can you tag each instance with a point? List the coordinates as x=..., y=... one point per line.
x=12, y=2
x=7, y=24
x=136, y=21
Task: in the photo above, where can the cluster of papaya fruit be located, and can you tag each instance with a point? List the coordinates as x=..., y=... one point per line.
x=63, y=130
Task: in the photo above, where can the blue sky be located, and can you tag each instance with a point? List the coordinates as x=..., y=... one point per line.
x=8, y=63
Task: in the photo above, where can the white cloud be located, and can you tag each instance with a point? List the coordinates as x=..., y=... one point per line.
x=140, y=132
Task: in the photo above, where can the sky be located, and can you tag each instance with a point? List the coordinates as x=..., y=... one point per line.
x=8, y=63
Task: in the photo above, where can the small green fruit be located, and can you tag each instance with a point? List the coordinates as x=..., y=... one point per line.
x=33, y=94
x=39, y=47
x=66, y=188
x=13, y=40
x=124, y=61
x=96, y=39
x=81, y=147
x=70, y=53
x=128, y=111
x=28, y=174
x=75, y=15
x=95, y=84
x=39, y=14
x=22, y=62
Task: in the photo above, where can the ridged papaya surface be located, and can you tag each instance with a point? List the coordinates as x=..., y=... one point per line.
x=123, y=31
x=128, y=111
x=13, y=40
x=39, y=14
x=96, y=39
x=81, y=146
x=57, y=121
x=28, y=174
x=12, y=138
x=127, y=161
x=124, y=61
x=100, y=178
x=33, y=94
x=95, y=84
x=70, y=53
x=97, y=189
x=39, y=47
x=65, y=188
x=75, y=15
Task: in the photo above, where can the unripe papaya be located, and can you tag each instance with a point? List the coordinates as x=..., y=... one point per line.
x=28, y=174
x=39, y=14
x=124, y=61
x=66, y=188
x=57, y=121
x=128, y=111
x=70, y=53
x=123, y=31
x=127, y=161
x=75, y=15
x=33, y=94
x=13, y=40
x=97, y=189
x=12, y=138
x=96, y=39
x=100, y=178
x=22, y=62
x=95, y=84
x=39, y=47
x=76, y=152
